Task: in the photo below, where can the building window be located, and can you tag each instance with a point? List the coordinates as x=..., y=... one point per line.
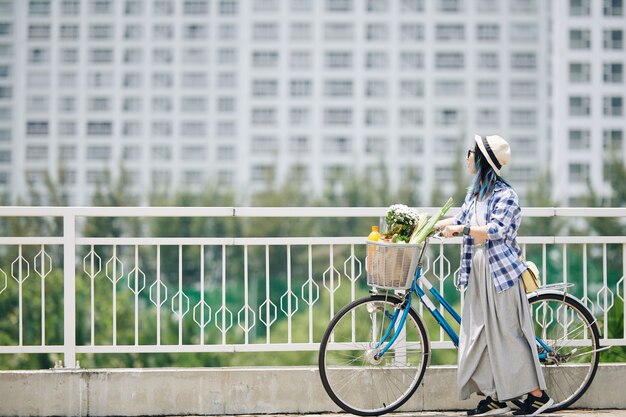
x=162, y=56
x=264, y=59
x=133, y=56
x=488, y=32
x=195, y=56
x=450, y=32
x=301, y=31
x=338, y=88
x=162, y=104
x=265, y=88
x=450, y=6
x=100, y=79
x=132, y=128
x=338, y=31
x=377, y=60
x=300, y=59
x=376, y=145
x=226, y=104
x=67, y=128
x=488, y=117
x=376, y=88
x=101, y=7
x=411, y=145
x=376, y=117
x=193, y=129
x=36, y=152
x=131, y=152
x=487, y=89
x=68, y=80
x=339, y=5
x=162, y=80
x=226, y=129
x=38, y=56
x=99, y=128
x=299, y=116
x=613, y=140
x=163, y=7
x=265, y=31
x=194, y=32
x=163, y=32
x=228, y=7
x=70, y=7
x=67, y=104
x=194, y=79
x=613, y=72
x=39, y=80
x=6, y=29
x=580, y=106
x=580, y=39
x=524, y=32
x=524, y=6
x=412, y=6
x=337, y=144
x=377, y=32
x=338, y=59
x=338, y=116
x=411, y=88
x=227, y=31
x=455, y=88
x=411, y=117
x=450, y=60
x=526, y=61
x=161, y=129
x=226, y=153
x=67, y=152
x=523, y=117
x=264, y=116
x=196, y=7
x=613, y=106
x=196, y=104
x=69, y=56
x=262, y=174
x=411, y=32
x=101, y=56
x=97, y=177
x=38, y=104
x=410, y=60
x=448, y=117
x=98, y=153
x=133, y=32
x=98, y=32
x=38, y=31
x=579, y=72
x=579, y=139
x=133, y=80
x=579, y=7
x=69, y=32
x=300, y=88
x=488, y=60
x=39, y=7
x=613, y=39
x=523, y=89
x=37, y=128
x=578, y=172
x=264, y=144
x=133, y=7
x=193, y=153
x=613, y=7
x=299, y=144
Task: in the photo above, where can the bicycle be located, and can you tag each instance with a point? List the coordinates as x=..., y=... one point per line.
x=375, y=351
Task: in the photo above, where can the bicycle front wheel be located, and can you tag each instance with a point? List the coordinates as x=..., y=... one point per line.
x=353, y=375
x=570, y=357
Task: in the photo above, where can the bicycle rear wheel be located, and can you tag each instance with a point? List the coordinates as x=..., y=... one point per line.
x=353, y=376
x=570, y=331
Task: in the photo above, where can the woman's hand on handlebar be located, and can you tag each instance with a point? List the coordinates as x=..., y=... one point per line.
x=451, y=230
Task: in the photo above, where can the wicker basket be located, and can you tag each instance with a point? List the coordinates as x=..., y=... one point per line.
x=391, y=265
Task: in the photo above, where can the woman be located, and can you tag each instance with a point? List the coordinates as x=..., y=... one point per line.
x=497, y=352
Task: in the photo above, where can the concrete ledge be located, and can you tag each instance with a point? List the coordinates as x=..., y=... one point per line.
x=215, y=391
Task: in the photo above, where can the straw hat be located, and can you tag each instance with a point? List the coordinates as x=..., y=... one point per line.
x=495, y=149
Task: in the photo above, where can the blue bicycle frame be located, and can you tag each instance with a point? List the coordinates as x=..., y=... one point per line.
x=423, y=297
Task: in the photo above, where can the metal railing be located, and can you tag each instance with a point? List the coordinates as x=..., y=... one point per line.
x=226, y=294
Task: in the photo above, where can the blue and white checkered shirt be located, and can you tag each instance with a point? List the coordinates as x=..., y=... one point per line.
x=503, y=219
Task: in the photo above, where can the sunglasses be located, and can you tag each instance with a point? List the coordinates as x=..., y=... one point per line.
x=470, y=151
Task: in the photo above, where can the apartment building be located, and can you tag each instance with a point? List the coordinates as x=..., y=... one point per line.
x=182, y=93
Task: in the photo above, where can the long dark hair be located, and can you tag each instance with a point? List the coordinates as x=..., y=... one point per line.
x=485, y=179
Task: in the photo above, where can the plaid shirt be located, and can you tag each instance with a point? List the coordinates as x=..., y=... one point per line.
x=503, y=220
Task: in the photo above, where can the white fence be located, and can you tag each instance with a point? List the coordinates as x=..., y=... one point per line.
x=226, y=294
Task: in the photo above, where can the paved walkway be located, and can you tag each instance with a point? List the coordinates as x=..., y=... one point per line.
x=566, y=413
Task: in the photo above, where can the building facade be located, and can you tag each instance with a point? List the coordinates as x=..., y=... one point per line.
x=242, y=93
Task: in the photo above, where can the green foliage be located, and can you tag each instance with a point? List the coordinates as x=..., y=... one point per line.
x=350, y=189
